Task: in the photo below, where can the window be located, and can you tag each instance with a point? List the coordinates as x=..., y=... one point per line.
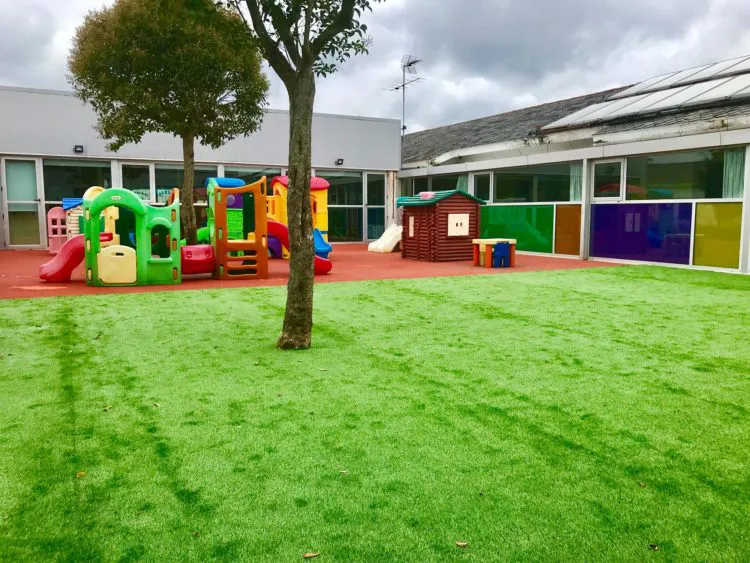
x=683, y=175
x=407, y=187
x=71, y=178
x=251, y=175
x=482, y=186
x=137, y=178
x=376, y=189
x=375, y=205
x=420, y=185
x=169, y=176
x=345, y=224
x=453, y=182
x=375, y=222
x=545, y=183
x=346, y=187
x=160, y=242
x=607, y=178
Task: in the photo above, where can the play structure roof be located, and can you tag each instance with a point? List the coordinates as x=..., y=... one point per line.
x=71, y=202
x=417, y=200
x=316, y=183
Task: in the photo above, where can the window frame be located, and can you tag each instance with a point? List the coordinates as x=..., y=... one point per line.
x=151, y=176
x=623, y=162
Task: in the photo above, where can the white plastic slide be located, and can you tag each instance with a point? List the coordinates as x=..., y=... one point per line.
x=391, y=237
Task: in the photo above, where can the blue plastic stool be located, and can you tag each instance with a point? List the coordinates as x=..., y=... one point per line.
x=501, y=255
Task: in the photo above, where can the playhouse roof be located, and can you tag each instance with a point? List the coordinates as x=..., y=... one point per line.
x=420, y=199
x=69, y=203
x=316, y=183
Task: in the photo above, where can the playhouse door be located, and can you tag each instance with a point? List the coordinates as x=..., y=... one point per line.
x=23, y=220
x=116, y=264
x=421, y=226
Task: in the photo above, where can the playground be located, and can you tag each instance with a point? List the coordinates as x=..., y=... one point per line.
x=19, y=272
x=562, y=415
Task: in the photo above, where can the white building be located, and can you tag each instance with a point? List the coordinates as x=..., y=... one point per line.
x=658, y=172
x=50, y=150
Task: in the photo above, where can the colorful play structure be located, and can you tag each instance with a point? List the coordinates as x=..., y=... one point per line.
x=124, y=241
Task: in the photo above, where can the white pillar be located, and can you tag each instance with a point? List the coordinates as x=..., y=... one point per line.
x=116, y=174
x=586, y=192
x=745, y=231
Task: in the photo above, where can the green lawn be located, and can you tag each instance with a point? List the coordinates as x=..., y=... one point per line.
x=563, y=415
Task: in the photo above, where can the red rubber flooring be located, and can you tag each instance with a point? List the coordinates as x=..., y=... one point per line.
x=351, y=262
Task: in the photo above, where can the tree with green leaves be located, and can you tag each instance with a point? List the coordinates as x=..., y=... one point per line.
x=185, y=67
x=302, y=39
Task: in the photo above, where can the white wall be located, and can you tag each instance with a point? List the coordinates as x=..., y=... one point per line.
x=50, y=123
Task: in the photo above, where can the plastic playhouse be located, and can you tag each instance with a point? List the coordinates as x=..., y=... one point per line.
x=277, y=211
x=124, y=241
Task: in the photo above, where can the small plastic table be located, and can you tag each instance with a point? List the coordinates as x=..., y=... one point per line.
x=483, y=250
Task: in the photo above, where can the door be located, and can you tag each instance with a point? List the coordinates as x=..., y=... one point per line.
x=23, y=223
x=375, y=205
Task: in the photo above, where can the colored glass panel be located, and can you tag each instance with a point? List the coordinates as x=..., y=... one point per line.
x=717, y=235
x=568, y=229
x=657, y=232
x=530, y=225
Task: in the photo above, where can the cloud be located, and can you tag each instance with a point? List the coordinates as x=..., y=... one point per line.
x=480, y=56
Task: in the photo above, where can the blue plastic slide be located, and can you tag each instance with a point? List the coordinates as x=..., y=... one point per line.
x=322, y=248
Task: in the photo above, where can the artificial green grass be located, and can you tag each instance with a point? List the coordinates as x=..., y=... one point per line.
x=571, y=415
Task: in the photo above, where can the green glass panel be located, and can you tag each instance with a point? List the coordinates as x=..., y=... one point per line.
x=531, y=225
x=23, y=219
x=20, y=176
x=717, y=235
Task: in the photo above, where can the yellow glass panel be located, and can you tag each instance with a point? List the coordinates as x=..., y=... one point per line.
x=717, y=235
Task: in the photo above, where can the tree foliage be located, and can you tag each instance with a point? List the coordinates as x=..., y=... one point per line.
x=302, y=39
x=185, y=67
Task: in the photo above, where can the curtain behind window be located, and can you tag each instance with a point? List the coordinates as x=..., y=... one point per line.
x=734, y=173
x=576, y=181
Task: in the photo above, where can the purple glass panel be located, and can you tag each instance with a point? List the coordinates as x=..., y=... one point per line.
x=657, y=232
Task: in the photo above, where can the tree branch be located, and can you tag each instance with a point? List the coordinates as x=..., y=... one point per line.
x=340, y=23
x=276, y=59
x=282, y=27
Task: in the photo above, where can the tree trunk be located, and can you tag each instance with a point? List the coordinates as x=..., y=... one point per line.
x=187, y=209
x=297, y=331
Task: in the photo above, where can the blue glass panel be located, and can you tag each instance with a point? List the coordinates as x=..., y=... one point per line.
x=657, y=232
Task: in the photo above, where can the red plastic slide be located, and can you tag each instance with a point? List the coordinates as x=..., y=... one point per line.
x=281, y=232
x=60, y=268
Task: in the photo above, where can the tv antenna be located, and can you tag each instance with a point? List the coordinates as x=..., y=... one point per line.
x=408, y=64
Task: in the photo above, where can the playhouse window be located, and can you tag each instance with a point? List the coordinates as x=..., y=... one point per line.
x=160, y=242
x=125, y=227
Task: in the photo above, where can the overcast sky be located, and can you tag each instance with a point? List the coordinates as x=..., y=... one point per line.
x=480, y=56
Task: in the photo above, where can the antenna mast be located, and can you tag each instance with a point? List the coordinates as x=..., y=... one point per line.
x=408, y=64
